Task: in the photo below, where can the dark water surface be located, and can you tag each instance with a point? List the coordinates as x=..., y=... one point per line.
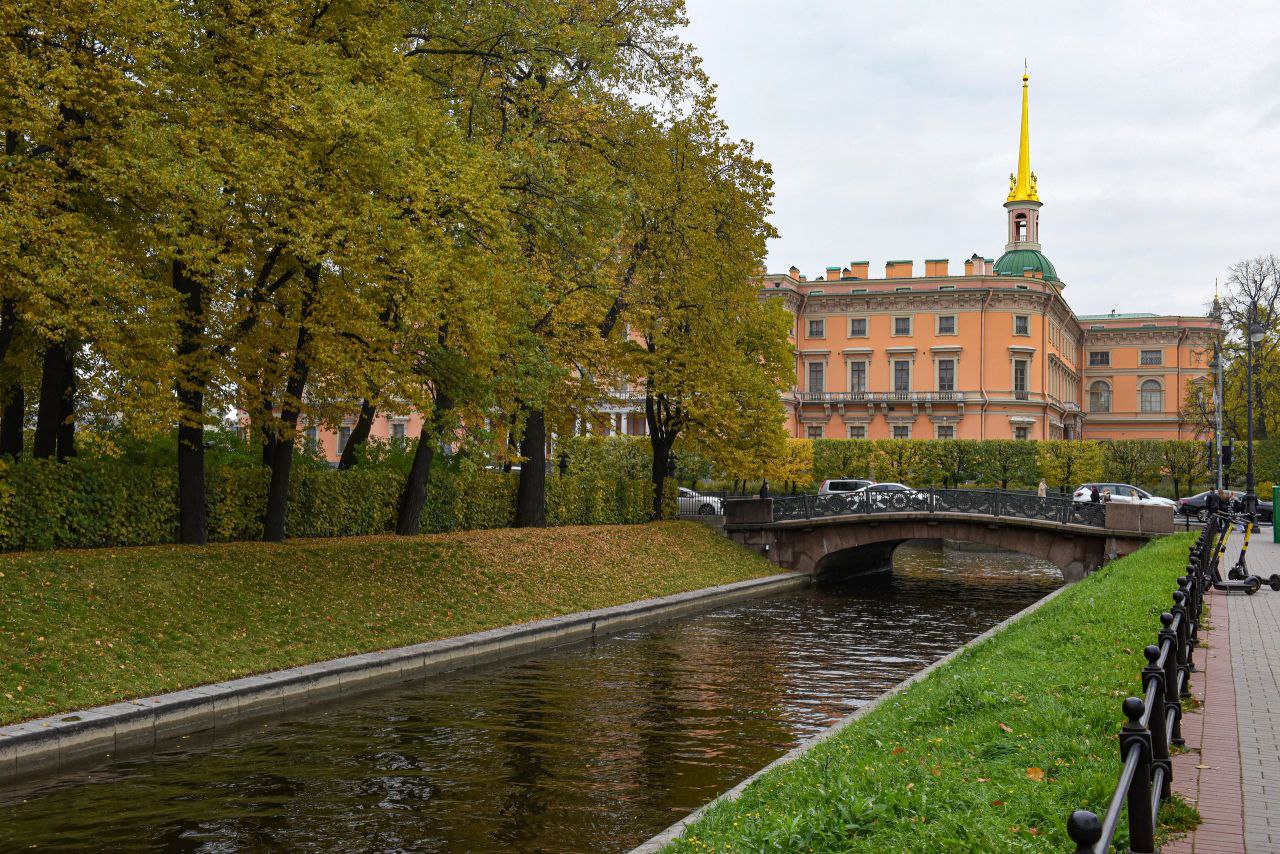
x=593, y=747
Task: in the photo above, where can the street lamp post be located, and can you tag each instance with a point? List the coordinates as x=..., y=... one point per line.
x=1256, y=333
x=1216, y=365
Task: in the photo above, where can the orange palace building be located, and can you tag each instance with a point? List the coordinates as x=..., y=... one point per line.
x=993, y=353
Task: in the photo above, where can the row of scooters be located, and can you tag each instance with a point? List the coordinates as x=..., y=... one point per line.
x=1238, y=576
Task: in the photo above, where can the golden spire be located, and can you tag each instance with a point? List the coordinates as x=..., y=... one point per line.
x=1022, y=187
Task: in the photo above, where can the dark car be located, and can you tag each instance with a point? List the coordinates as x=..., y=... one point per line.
x=1195, y=506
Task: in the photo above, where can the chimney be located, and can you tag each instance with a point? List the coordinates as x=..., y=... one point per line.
x=968, y=267
x=794, y=273
x=936, y=267
x=860, y=269
x=833, y=274
x=897, y=270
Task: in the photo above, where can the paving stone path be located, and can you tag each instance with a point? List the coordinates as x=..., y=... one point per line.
x=1231, y=771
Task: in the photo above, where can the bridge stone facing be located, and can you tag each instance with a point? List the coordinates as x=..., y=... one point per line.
x=857, y=544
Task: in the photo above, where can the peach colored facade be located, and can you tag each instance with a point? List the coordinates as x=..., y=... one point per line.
x=993, y=353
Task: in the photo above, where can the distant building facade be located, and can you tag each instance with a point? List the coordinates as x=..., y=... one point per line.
x=993, y=353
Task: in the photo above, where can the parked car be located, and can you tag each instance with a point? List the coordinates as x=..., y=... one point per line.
x=1195, y=506
x=833, y=487
x=1123, y=493
x=893, y=496
x=696, y=504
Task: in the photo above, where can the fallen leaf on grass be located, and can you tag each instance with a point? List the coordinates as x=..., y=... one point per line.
x=1004, y=727
x=1036, y=774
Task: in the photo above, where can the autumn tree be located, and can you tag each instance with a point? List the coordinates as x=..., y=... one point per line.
x=953, y=461
x=1067, y=463
x=1007, y=461
x=1136, y=461
x=1185, y=462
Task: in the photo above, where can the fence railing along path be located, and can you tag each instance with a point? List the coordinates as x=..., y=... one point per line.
x=1154, y=720
x=984, y=502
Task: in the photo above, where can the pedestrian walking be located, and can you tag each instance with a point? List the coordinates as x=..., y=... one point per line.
x=1043, y=489
x=1094, y=495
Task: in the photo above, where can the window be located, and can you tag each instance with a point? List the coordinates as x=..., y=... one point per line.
x=397, y=430
x=857, y=431
x=816, y=371
x=1021, y=324
x=343, y=435
x=902, y=326
x=1020, y=228
x=813, y=431
x=902, y=376
x=946, y=324
x=946, y=431
x=1023, y=287
x=1151, y=357
x=1100, y=397
x=901, y=431
x=946, y=375
x=858, y=291
x=1151, y=396
x=857, y=376
x=946, y=287
x=1100, y=359
x=817, y=328
x=313, y=439
x=857, y=327
x=1020, y=379
x=1022, y=432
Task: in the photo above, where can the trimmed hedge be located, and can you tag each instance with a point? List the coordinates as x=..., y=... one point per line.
x=105, y=501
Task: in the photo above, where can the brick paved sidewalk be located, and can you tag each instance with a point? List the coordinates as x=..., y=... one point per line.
x=1231, y=772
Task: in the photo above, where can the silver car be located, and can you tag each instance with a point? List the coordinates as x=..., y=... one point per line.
x=695, y=504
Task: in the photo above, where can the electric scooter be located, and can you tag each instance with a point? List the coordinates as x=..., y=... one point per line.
x=1250, y=584
x=1240, y=571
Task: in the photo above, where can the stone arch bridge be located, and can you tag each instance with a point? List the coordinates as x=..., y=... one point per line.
x=840, y=536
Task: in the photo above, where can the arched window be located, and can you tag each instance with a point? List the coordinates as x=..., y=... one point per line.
x=1020, y=228
x=1151, y=396
x=1100, y=396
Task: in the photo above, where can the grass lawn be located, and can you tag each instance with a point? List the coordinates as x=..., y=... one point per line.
x=990, y=753
x=86, y=627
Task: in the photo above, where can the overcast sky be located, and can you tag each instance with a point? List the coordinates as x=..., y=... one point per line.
x=892, y=129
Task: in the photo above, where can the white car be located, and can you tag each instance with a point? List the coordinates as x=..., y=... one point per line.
x=842, y=485
x=1122, y=493
x=696, y=504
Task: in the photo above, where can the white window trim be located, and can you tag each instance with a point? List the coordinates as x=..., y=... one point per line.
x=866, y=325
x=1088, y=359
x=1026, y=334
x=808, y=332
x=937, y=371
x=955, y=325
x=937, y=433
x=851, y=427
x=893, y=327
x=893, y=373
x=893, y=428
x=866, y=374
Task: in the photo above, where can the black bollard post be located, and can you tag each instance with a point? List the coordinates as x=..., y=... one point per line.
x=1183, y=630
x=1085, y=830
x=1134, y=736
x=1171, y=697
x=1153, y=673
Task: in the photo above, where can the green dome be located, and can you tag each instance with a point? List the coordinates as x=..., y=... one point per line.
x=1018, y=261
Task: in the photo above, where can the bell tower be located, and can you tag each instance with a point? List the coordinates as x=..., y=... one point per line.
x=1023, y=203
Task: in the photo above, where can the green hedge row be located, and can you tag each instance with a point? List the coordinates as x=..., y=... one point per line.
x=104, y=501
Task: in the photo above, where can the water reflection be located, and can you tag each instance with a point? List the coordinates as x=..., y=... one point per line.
x=588, y=748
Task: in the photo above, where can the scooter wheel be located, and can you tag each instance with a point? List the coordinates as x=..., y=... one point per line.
x=1235, y=573
x=1252, y=584
x=1274, y=581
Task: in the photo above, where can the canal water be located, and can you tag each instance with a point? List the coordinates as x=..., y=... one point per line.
x=593, y=747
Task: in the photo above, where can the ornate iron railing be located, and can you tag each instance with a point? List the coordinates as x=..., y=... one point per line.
x=1154, y=721
x=980, y=502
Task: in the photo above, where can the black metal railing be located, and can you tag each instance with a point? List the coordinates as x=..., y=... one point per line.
x=1153, y=721
x=983, y=502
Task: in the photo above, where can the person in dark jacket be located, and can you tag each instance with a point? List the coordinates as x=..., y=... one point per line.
x=1094, y=495
x=1212, y=504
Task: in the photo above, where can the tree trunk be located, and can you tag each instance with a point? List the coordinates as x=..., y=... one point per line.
x=359, y=435
x=409, y=517
x=11, y=394
x=67, y=406
x=661, y=445
x=11, y=421
x=190, y=390
x=52, y=382
x=531, y=495
x=290, y=410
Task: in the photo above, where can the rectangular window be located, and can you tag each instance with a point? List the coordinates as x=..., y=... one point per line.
x=946, y=324
x=1020, y=379
x=901, y=431
x=902, y=326
x=946, y=375
x=902, y=376
x=1100, y=359
x=343, y=435
x=817, y=328
x=857, y=376
x=946, y=287
x=397, y=430
x=901, y=290
x=1022, y=432
x=857, y=327
x=1021, y=324
x=857, y=431
x=946, y=431
x=1151, y=357
x=816, y=371
x=858, y=291
x=813, y=431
